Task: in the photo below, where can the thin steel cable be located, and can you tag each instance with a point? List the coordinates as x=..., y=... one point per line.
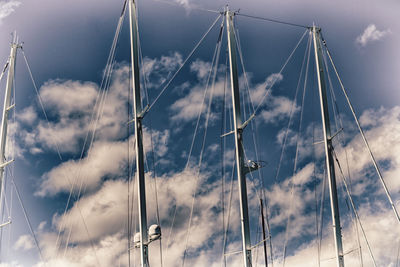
x=254, y=132
x=297, y=146
x=280, y=72
x=192, y=6
x=184, y=62
x=96, y=115
x=99, y=105
x=273, y=20
x=198, y=122
x=228, y=215
x=340, y=127
x=363, y=136
x=218, y=49
x=354, y=208
x=28, y=221
x=222, y=145
x=43, y=109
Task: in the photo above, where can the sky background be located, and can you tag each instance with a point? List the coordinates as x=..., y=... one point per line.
x=67, y=44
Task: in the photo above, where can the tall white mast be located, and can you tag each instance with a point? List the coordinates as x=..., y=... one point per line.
x=6, y=108
x=237, y=119
x=330, y=164
x=138, y=112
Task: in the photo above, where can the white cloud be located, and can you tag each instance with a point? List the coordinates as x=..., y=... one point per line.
x=24, y=242
x=105, y=158
x=371, y=34
x=157, y=70
x=188, y=107
x=259, y=91
x=27, y=116
x=7, y=8
x=279, y=107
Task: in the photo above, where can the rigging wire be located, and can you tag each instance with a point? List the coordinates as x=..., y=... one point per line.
x=197, y=123
x=192, y=6
x=362, y=134
x=306, y=55
x=354, y=207
x=214, y=74
x=222, y=145
x=95, y=117
x=183, y=64
x=340, y=128
x=279, y=73
x=48, y=122
x=272, y=20
x=27, y=220
x=254, y=135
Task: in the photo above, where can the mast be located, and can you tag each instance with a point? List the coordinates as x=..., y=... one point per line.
x=6, y=108
x=237, y=119
x=328, y=147
x=138, y=112
x=263, y=232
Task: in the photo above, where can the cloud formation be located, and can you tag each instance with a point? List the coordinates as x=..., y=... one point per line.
x=7, y=8
x=371, y=34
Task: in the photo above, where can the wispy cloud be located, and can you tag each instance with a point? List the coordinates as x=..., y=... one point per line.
x=24, y=242
x=371, y=34
x=7, y=7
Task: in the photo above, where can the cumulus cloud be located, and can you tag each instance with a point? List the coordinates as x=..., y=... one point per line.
x=105, y=158
x=72, y=108
x=188, y=107
x=105, y=223
x=279, y=107
x=24, y=242
x=7, y=8
x=371, y=34
x=158, y=70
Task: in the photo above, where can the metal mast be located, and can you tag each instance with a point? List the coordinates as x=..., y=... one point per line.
x=330, y=165
x=138, y=112
x=237, y=119
x=6, y=108
x=263, y=232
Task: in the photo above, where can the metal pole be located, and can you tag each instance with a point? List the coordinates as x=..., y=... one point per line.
x=6, y=108
x=138, y=134
x=263, y=231
x=328, y=147
x=237, y=119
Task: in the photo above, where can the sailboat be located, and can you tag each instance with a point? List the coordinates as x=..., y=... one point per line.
x=243, y=166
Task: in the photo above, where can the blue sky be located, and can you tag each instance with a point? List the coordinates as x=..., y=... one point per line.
x=67, y=45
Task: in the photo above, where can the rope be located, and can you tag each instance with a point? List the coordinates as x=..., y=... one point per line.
x=184, y=62
x=363, y=135
x=273, y=20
